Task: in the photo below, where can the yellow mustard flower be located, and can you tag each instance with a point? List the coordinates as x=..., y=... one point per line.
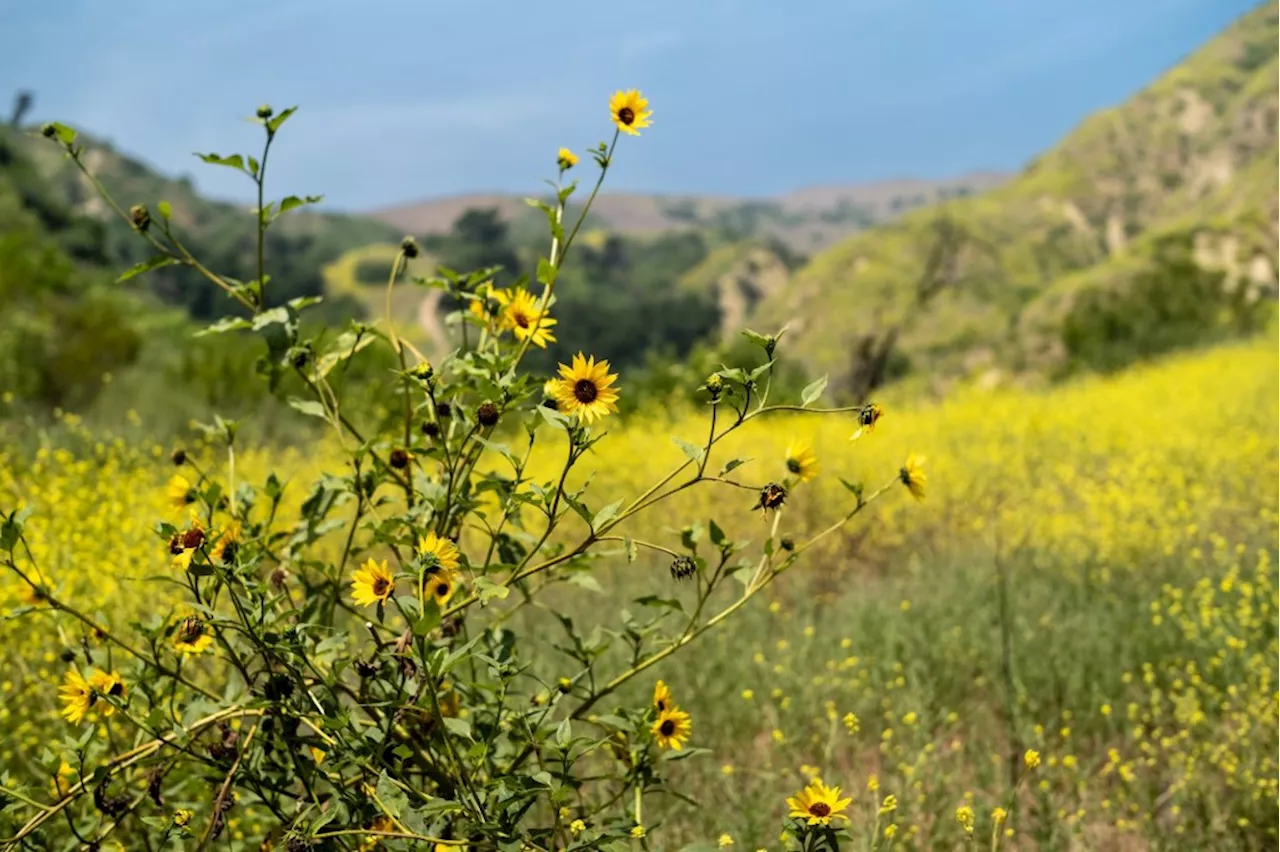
x=672, y=728
x=964, y=816
x=585, y=389
x=372, y=583
x=1031, y=758
x=818, y=804
x=630, y=111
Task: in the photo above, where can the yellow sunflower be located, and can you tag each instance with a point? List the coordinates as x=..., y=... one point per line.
x=444, y=550
x=107, y=684
x=440, y=583
x=586, y=389
x=818, y=803
x=228, y=544
x=566, y=159
x=662, y=696
x=185, y=543
x=483, y=306
x=521, y=314
x=372, y=583
x=630, y=111
x=801, y=461
x=76, y=695
x=912, y=476
x=382, y=824
x=672, y=728
x=181, y=492
x=193, y=636
x=867, y=417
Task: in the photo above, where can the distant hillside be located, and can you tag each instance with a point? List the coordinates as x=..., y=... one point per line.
x=1152, y=225
x=222, y=235
x=806, y=220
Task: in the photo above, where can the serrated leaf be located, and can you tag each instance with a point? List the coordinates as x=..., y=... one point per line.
x=692, y=451
x=153, y=262
x=813, y=390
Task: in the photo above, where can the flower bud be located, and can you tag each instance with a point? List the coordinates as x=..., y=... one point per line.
x=140, y=217
x=48, y=131
x=265, y=111
x=178, y=457
x=408, y=247
x=487, y=414
x=399, y=458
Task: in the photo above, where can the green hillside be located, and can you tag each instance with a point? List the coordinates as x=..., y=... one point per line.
x=219, y=233
x=1122, y=232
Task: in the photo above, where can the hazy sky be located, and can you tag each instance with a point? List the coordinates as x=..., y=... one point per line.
x=404, y=99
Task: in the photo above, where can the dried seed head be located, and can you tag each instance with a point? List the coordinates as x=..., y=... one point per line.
x=683, y=568
x=140, y=217
x=399, y=458
x=487, y=414
x=178, y=457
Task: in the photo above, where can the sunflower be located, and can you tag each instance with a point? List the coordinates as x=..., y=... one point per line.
x=662, y=696
x=444, y=551
x=801, y=461
x=630, y=111
x=672, y=728
x=818, y=803
x=867, y=417
x=486, y=303
x=181, y=492
x=111, y=685
x=372, y=583
x=440, y=584
x=522, y=314
x=193, y=636
x=566, y=159
x=585, y=389
x=228, y=544
x=912, y=476
x=76, y=695
x=381, y=824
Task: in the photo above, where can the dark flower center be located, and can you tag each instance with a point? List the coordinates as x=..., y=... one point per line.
x=192, y=539
x=442, y=590
x=668, y=727
x=793, y=465
x=820, y=809
x=585, y=391
x=661, y=705
x=116, y=689
x=626, y=115
x=521, y=319
x=381, y=587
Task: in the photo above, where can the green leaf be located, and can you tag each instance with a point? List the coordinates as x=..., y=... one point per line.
x=605, y=515
x=733, y=464
x=153, y=262
x=429, y=621
x=717, y=534
x=224, y=325
x=274, y=124
x=65, y=134
x=309, y=407
x=235, y=161
x=756, y=337
x=489, y=590
x=458, y=727
x=813, y=391
x=546, y=272
x=586, y=581
x=391, y=796
x=664, y=603
x=693, y=451
x=293, y=202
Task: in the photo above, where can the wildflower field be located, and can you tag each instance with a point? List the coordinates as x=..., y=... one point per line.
x=1069, y=643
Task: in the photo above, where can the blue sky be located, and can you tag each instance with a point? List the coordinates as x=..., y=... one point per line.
x=407, y=99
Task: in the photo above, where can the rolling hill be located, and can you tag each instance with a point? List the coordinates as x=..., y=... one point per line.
x=806, y=220
x=1150, y=225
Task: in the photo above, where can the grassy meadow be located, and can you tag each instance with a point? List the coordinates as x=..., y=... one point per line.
x=1070, y=643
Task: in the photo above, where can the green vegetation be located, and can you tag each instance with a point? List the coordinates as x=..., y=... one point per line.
x=1015, y=277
